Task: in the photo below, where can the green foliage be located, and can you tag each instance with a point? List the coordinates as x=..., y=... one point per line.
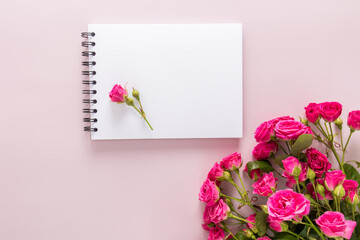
x=240, y=235
x=263, y=165
x=283, y=236
x=351, y=173
x=303, y=142
x=261, y=223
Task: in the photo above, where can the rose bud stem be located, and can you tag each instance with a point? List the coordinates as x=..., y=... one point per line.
x=130, y=102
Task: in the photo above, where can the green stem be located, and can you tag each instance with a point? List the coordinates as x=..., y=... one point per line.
x=317, y=198
x=240, y=219
x=347, y=142
x=143, y=115
x=282, y=147
x=246, y=197
x=321, y=129
x=314, y=227
x=288, y=147
x=327, y=130
x=332, y=134
x=294, y=234
x=297, y=184
x=233, y=198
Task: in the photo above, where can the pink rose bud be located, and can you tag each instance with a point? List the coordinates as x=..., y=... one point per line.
x=248, y=233
x=264, y=132
x=263, y=238
x=352, y=198
x=118, y=94
x=330, y=111
x=255, y=174
x=231, y=162
x=209, y=192
x=350, y=186
x=264, y=149
x=252, y=227
x=317, y=161
x=216, y=213
x=290, y=182
x=339, y=192
x=216, y=233
x=333, y=179
x=312, y=112
x=285, y=205
x=277, y=226
x=333, y=224
x=290, y=130
x=354, y=120
x=216, y=172
x=292, y=166
x=266, y=185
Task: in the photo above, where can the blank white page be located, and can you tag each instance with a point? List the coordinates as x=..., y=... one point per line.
x=189, y=77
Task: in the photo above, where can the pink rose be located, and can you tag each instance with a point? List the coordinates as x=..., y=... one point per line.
x=216, y=233
x=317, y=161
x=216, y=213
x=205, y=227
x=118, y=94
x=350, y=186
x=292, y=166
x=264, y=132
x=354, y=120
x=255, y=174
x=312, y=112
x=251, y=218
x=215, y=172
x=231, y=162
x=286, y=204
x=264, y=149
x=263, y=238
x=266, y=185
x=276, y=120
x=311, y=190
x=291, y=130
x=333, y=224
x=209, y=192
x=290, y=181
x=333, y=179
x=330, y=111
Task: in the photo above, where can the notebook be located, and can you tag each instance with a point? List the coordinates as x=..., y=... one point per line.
x=189, y=77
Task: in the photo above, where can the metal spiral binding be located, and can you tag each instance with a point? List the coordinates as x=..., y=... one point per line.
x=88, y=43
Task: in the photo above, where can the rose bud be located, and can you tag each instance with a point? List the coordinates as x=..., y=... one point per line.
x=129, y=101
x=263, y=149
x=304, y=121
x=339, y=192
x=255, y=174
x=333, y=179
x=352, y=198
x=266, y=185
x=264, y=208
x=292, y=166
x=216, y=233
x=354, y=120
x=311, y=174
x=252, y=227
x=339, y=122
x=248, y=233
x=136, y=94
x=118, y=94
x=312, y=112
x=231, y=162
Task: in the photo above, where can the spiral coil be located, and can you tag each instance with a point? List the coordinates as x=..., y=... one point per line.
x=88, y=43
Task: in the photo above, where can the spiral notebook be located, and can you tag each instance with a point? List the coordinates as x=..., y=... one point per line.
x=189, y=77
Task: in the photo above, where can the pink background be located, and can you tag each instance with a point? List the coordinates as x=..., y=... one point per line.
x=57, y=184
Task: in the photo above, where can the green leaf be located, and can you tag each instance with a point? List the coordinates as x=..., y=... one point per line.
x=284, y=236
x=351, y=173
x=261, y=223
x=263, y=165
x=303, y=142
x=240, y=235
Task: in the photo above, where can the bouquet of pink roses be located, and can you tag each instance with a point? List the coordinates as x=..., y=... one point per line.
x=321, y=200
